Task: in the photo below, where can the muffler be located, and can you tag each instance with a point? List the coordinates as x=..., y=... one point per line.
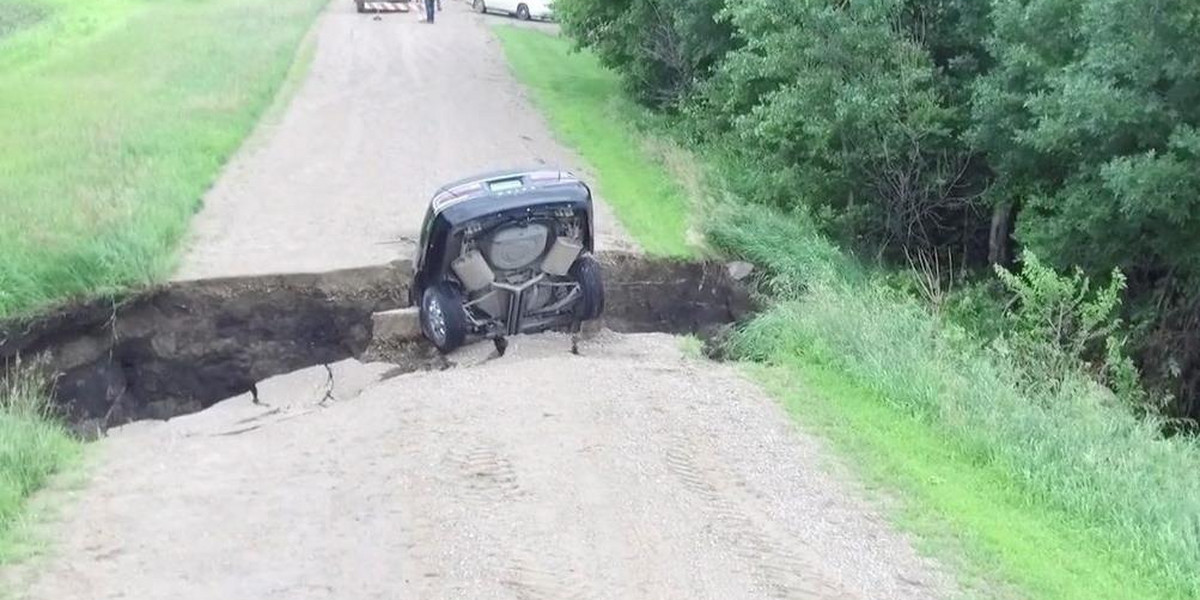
x=473, y=271
x=561, y=256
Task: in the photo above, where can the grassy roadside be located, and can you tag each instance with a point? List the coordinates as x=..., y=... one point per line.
x=32, y=448
x=1055, y=497
x=117, y=116
x=964, y=511
x=1055, y=490
x=588, y=113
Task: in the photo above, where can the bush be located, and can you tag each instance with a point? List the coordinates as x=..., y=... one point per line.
x=841, y=111
x=1091, y=118
x=1057, y=320
x=660, y=48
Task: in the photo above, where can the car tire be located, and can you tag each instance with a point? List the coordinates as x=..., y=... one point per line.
x=479, y=6
x=523, y=12
x=443, y=318
x=587, y=273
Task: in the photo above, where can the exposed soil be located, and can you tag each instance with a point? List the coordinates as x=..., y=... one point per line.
x=182, y=347
x=626, y=470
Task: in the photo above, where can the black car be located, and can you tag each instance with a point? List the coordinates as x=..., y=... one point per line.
x=505, y=253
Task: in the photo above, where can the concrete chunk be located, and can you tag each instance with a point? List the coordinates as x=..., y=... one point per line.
x=397, y=325
x=739, y=270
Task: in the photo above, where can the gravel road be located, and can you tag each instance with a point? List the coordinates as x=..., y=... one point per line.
x=629, y=471
x=390, y=110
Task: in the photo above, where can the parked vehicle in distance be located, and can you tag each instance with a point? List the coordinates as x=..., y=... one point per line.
x=522, y=9
x=506, y=253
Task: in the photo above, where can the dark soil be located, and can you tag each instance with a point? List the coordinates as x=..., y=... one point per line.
x=182, y=347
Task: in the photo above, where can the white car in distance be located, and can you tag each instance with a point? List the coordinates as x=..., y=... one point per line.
x=521, y=9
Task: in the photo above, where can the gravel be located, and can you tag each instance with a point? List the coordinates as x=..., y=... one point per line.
x=628, y=471
x=390, y=110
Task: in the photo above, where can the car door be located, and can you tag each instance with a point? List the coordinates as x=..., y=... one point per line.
x=504, y=5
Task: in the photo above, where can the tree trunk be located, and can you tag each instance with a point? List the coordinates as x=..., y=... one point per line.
x=1000, y=235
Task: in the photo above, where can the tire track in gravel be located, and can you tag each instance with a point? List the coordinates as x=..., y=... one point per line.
x=483, y=482
x=489, y=480
x=487, y=475
x=781, y=572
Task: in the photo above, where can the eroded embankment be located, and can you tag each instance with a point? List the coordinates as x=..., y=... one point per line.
x=181, y=347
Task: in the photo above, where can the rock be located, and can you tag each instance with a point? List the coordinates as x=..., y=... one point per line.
x=81, y=351
x=739, y=270
x=396, y=325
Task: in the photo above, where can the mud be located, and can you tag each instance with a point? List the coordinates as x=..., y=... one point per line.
x=182, y=347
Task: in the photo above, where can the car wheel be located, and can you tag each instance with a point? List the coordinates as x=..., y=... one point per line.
x=586, y=272
x=443, y=318
x=523, y=12
x=479, y=5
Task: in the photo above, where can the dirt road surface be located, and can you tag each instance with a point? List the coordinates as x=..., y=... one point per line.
x=629, y=471
x=390, y=110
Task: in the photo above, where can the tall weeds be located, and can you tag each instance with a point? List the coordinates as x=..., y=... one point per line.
x=33, y=444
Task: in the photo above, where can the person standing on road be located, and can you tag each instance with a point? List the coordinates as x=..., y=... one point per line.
x=429, y=9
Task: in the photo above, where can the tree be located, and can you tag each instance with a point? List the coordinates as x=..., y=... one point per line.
x=661, y=48
x=1091, y=119
x=841, y=109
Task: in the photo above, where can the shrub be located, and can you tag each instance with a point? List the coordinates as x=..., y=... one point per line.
x=660, y=48
x=1057, y=319
x=842, y=111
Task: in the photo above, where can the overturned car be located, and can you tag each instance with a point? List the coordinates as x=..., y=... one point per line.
x=506, y=253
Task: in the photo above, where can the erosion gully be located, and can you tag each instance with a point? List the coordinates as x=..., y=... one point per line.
x=181, y=347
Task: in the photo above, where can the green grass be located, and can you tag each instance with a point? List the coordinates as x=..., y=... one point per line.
x=966, y=511
x=1062, y=494
x=116, y=117
x=15, y=16
x=32, y=448
x=588, y=111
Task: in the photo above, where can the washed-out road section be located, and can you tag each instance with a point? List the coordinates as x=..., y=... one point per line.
x=629, y=470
